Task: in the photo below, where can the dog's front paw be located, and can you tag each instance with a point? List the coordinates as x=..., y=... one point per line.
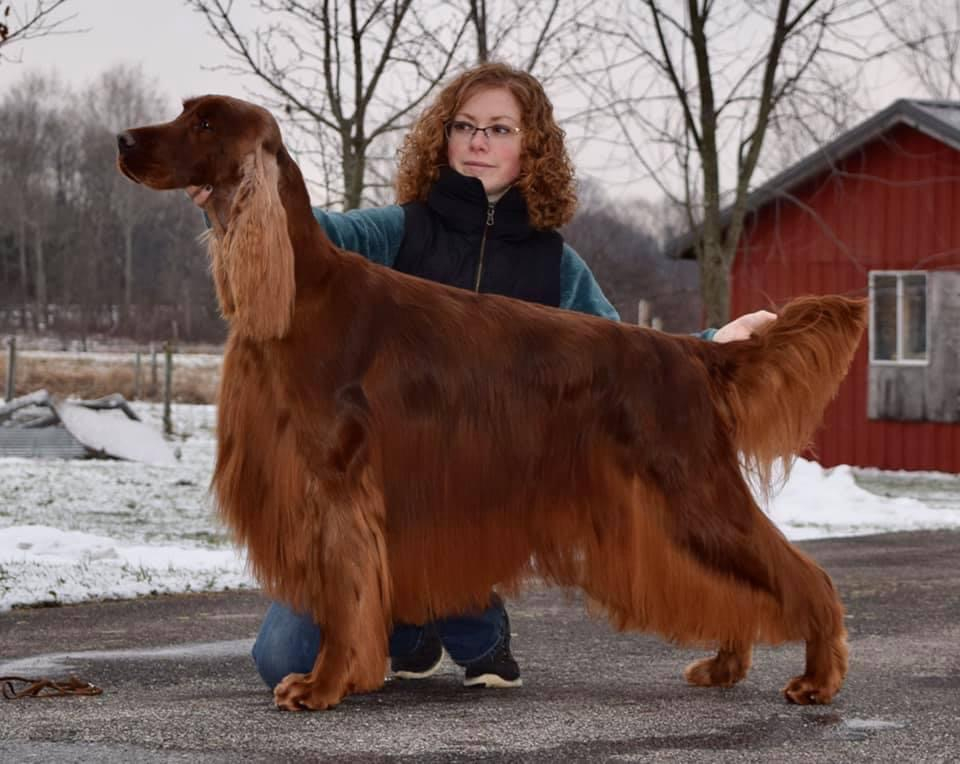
x=806, y=691
x=297, y=693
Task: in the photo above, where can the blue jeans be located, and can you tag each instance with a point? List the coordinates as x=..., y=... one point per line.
x=288, y=641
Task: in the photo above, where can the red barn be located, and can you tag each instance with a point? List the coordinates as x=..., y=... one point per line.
x=875, y=213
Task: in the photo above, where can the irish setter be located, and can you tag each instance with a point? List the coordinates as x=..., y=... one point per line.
x=390, y=448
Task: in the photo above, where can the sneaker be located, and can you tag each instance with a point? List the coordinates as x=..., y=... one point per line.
x=496, y=670
x=422, y=662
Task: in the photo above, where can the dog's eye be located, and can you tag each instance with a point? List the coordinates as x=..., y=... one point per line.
x=204, y=124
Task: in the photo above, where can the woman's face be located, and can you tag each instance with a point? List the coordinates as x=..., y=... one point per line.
x=493, y=158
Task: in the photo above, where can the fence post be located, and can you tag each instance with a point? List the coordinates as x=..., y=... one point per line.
x=643, y=312
x=137, y=376
x=168, y=388
x=154, y=387
x=11, y=369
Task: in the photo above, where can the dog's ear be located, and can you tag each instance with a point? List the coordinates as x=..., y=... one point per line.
x=253, y=266
x=219, y=273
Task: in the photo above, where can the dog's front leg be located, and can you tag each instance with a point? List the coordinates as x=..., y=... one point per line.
x=348, y=588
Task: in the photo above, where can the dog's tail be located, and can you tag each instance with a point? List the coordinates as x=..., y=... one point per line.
x=777, y=384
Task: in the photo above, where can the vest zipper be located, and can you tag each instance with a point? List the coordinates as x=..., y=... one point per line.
x=483, y=246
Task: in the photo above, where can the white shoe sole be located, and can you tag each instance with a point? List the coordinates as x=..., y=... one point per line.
x=492, y=681
x=419, y=674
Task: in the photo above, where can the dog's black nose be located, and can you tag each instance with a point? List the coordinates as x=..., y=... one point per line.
x=125, y=140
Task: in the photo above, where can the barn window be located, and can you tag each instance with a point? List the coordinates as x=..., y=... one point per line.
x=898, y=317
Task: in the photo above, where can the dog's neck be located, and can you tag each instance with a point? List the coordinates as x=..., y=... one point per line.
x=311, y=245
x=305, y=232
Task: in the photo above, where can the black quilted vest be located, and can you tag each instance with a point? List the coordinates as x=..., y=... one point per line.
x=456, y=237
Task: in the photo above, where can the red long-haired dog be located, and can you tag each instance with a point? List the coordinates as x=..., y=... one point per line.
x=373, y=426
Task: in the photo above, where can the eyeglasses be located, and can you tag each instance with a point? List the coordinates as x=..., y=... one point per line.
x=463, y=132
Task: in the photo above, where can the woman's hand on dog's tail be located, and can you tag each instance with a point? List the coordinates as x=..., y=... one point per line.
x=741, y=328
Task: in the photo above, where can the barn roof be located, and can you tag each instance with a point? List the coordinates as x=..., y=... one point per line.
x=939, y=119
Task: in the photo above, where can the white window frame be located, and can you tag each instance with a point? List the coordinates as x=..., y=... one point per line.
x=899, y=360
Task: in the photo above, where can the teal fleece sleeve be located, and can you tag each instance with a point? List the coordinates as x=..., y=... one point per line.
x=376, y=233
x=579, y=290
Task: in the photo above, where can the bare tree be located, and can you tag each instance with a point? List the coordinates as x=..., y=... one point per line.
x=928, y=42
x=347, y=73
x=82, y=250
x=551, y=39
x=120, y=97
x=351, y=75
x=29, y=130
x=24, y=21
x=26, y=135
x=711, y=79
x=619, y=241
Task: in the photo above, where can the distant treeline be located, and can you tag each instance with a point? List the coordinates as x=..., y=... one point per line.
x=84, y=251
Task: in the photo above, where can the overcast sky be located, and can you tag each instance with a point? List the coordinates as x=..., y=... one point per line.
x=166, y=38
x=173, y=46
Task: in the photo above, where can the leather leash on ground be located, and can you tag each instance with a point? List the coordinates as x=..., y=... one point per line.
x=45, y=688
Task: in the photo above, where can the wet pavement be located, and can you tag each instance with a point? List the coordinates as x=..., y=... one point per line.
x=179, y=685
x=938, y=490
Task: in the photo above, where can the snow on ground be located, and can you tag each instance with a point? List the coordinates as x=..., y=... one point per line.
x=817, y=503
x=77, y=530
x=86, y=529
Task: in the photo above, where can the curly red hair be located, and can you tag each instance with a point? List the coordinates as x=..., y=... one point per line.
x=546, y=173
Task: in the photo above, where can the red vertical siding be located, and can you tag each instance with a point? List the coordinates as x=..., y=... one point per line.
x=890, y=209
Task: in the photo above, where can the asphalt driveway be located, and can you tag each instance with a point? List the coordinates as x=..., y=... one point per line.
x=179, y=685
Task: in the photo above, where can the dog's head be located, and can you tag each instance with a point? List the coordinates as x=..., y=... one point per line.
x=233, y=147
x=208, y=144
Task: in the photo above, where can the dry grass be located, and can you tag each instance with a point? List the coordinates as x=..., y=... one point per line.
x=70, y=376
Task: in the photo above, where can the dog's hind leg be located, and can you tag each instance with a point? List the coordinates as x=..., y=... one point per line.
x=813, y=612
x=808, y=609
x=711, y=588
x=349, y=587
x=783, y=596
x=708, y=567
